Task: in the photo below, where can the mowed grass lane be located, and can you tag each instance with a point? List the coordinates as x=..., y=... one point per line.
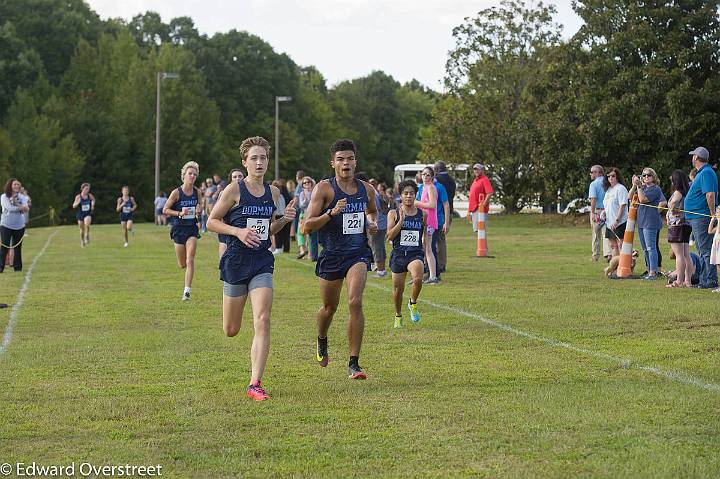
x=108, y=366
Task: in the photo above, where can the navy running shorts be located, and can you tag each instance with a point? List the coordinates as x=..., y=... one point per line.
x=241, y=266
x=399, y=260
x=334, y=266
x=181, y=233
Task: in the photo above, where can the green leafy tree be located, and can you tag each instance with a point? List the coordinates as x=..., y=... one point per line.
x=19, y=64
x=149, y=30
x=111, y=110
x=6, y=152
x=46, y=160
x=496, y=55
x=650, y=83
x=315, y=126
x=52, y=28
x=190, y=119
x=384, y=118
x=244, y=74
x=183, y=31
x=559, y=152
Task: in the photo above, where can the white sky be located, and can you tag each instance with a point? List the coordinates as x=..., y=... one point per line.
x=344, y=39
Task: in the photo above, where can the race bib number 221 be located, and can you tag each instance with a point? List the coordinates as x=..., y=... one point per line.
x=353, y=223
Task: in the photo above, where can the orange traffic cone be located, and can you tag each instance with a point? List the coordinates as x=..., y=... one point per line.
x=625, y=267
x=481, y=235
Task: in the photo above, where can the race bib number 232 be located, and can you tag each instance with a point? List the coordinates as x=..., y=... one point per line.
x=261, y=227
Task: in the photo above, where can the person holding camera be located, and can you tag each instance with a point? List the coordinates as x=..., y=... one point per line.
x=648, y=217
x=12, y=222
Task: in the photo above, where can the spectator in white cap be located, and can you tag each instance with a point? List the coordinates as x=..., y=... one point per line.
x=701, y=199
x=480, y=192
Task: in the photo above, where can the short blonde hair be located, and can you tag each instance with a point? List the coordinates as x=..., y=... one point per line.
x=253, y=141
x=189, y=164
x=306, y=178
x=656, y=179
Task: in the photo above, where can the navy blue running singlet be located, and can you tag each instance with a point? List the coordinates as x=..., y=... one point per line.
x=251, y=212
x=410, y=238
x=85, y=207
x=185, y=201
x=346, y=233
x=127, y=207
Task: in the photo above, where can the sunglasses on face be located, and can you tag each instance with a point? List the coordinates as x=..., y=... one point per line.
x=611, y=175
x=307, y=182
x=646, y=175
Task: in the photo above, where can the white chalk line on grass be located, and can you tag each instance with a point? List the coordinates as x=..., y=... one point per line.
x=7, y=337
x=625, y=363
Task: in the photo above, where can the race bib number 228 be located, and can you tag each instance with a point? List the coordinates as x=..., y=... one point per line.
x=409, y=238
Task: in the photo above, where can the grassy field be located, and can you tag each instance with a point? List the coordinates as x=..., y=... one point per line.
x=108, y=366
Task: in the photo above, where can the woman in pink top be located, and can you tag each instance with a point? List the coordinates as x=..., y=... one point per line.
x=428, y=203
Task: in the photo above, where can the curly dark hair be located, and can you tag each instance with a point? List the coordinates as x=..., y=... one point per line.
x=405, y=184
x=342, y=144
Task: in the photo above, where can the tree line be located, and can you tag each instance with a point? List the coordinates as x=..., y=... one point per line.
x=638, y=85
x=77, y=104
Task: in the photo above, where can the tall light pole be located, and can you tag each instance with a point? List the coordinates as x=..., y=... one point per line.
x=160, y=76
x=278, y=99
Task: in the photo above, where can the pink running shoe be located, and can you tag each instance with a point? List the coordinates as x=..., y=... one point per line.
x=256, y=392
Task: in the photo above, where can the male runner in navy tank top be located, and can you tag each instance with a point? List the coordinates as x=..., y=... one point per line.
x=85, y=203
x=183, y=207
x=245, y=213
x=343, y=210
x=126, y=205
x=406, y=227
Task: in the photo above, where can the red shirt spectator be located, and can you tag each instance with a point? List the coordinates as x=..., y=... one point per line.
x=480, y=190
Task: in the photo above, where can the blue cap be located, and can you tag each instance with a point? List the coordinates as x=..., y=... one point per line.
x=701, y=152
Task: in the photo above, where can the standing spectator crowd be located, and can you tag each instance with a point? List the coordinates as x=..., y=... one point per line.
x=690, y=212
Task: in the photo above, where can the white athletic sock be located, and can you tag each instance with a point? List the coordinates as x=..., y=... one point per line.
x=187, y=289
